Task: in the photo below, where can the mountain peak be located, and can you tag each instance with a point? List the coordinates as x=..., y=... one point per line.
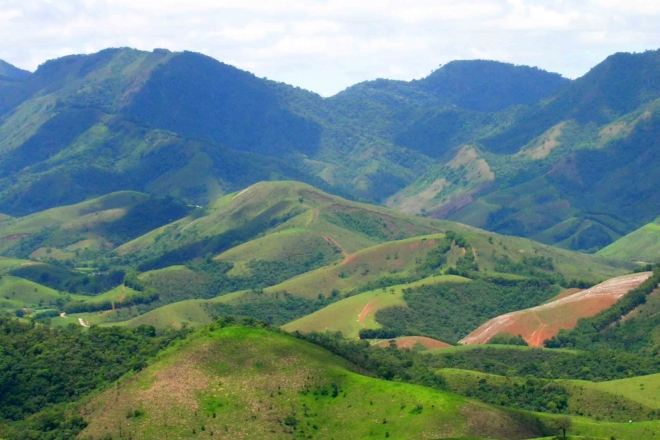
x=12, y=73
x=482, y=85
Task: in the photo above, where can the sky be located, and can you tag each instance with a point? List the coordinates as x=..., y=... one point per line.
x=328, y=45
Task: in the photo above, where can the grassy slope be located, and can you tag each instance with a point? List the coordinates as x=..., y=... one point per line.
x=590, y=399
x=18, y=293
x=352, y=314
x=9, y=264
x=246, y=383
x=640, y=245
x=643, y=389
x=313, y=228
x=80, y=218
x=304, y=206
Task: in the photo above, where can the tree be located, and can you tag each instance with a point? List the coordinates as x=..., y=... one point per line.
x=563, y=424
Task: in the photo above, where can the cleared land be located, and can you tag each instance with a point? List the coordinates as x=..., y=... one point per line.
x=537, y=324
x=412, y=341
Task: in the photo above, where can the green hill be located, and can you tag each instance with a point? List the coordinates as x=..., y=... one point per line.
x=640, y=245
x=12, y=73
x=95, y=225
x=241, y=382
x=292, y=250
x=358, y=312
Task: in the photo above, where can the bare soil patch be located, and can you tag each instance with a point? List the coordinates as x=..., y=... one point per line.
x=539, y=323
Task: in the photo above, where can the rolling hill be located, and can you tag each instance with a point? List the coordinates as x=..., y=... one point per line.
x=249, y=383
x=501, y=147
x=642, y=244
x=64, y=232
x=287, y=250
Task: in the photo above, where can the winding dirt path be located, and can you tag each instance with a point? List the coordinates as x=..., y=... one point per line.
x=336, y=244
x=82, y=322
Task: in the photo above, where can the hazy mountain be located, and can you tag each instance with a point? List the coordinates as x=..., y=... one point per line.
x=12, y=73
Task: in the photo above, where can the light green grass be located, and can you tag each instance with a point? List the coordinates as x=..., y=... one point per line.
x=9, y=264
x=643, y=389
x=393, y=259
x=246, y=383
x=18, y=293
x=291, y=245
x=113, y=295
x=640, y=245
x=344, y=316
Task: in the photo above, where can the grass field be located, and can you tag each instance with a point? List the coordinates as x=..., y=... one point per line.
x=643, y=389
x=352, y=314
x=17, y=293
x=9, y=264
x=640, y=245
x=295, y=245
x=242, y=383
x=80, y=216
x=583, y=398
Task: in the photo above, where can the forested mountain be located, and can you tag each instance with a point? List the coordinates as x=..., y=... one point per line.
x=12, y=73
x=573, y=170
x=507, y=148
x=186, y=125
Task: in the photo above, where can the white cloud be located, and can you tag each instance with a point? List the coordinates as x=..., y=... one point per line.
x=327, y=45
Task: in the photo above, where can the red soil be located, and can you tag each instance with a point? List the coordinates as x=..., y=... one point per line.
x=410, y=341
x=365, y=311
x=537, y=324
x=14, y=237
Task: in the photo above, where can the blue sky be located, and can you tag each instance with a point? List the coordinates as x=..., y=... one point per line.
x=328, y=45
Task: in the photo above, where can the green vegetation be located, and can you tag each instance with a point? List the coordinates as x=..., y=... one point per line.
x=507, y=339
x=640, y=245
x=549, y=396
x=65, y=280
x=299, y=390
x=595, y=366
x=42, y=367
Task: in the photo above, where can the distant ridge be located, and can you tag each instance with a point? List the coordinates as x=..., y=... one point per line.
x=12, y=73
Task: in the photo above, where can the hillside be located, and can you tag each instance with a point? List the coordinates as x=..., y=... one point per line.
x=278, y=252
x=185, y=125
x=543, y=322
x=642, y=244
x=249, y=383
x=570, y=170
x=12, y=73
x=68, y=232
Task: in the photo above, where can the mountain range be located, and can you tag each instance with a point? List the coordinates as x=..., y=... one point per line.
x=189, y=250
x=512, y=149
